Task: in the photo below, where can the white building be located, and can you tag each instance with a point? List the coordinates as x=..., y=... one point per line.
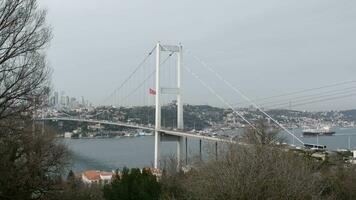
x=68, y=135
x=96, y=177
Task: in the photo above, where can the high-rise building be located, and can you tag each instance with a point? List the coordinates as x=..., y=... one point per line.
x=62, y=99
x=52, y=102
x=67, y=101
x=73, y=103
x=83, y=101
x=56, y=99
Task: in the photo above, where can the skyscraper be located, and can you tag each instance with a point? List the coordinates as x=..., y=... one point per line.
x=56, y=99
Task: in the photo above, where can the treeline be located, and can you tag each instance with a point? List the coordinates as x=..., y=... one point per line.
x=240, y=172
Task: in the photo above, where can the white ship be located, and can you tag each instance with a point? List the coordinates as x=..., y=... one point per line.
x=318, y=131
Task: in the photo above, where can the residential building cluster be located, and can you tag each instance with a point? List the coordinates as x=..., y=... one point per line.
x=293, y=119
x=199, y=117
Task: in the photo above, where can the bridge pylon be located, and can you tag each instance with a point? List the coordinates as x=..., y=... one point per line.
x=161, y=90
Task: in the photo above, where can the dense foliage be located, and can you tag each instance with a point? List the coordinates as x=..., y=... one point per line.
x=133, y=185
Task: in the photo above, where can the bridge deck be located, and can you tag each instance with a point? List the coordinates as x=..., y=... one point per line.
x=169, y=132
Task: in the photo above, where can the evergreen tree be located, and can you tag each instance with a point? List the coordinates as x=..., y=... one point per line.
x=133, y=185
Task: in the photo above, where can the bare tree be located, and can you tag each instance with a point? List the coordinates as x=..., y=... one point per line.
x=253, y=172
x=31, y=162
x=263, y=134
x=23, y=69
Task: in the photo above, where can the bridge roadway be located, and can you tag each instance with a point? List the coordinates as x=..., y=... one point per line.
x=123, y=124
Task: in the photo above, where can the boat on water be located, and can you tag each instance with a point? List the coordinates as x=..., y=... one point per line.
x=143, y=133
x=325, y=131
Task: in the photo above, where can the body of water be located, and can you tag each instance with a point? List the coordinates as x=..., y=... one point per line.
x=113, y=153
x=340, y=140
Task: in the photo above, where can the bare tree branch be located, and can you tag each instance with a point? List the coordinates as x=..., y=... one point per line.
x=23, y=68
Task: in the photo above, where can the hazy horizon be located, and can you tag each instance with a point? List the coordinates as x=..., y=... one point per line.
x=263, y=48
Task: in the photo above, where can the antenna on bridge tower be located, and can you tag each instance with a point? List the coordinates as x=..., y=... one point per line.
x=161, y=90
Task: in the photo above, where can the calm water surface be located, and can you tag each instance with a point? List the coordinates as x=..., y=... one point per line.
x=113, y=153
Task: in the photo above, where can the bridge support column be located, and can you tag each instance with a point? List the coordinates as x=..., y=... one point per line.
x=200, y=154
x=186, y=151
x=157, y=149
x=180, y=146
x=158, y=109
x=178, y=92
x=216, y=150
x=180, y=123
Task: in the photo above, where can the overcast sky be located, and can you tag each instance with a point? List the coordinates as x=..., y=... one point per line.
x=263, y=47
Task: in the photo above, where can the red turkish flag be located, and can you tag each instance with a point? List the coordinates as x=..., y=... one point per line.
x=152, y=91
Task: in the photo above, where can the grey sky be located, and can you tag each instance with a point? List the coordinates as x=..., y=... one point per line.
x=263, y=47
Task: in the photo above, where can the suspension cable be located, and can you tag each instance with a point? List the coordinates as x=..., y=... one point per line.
x=310, y=96
x=302, y=91
x=132, y=73
x=322, y=100
x=146, y=79
x=218, y=96
x=244, y=96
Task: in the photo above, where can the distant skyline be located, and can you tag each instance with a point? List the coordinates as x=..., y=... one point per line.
x=265, y=48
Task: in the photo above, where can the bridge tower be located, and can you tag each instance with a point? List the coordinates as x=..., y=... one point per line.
x=177, y=91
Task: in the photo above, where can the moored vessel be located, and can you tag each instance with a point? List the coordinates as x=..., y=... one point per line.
x=325, y=131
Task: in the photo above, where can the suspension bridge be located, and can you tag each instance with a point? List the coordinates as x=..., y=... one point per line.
x=156, y=84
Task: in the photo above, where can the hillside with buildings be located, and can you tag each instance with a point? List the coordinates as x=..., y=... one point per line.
x=199, y=117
